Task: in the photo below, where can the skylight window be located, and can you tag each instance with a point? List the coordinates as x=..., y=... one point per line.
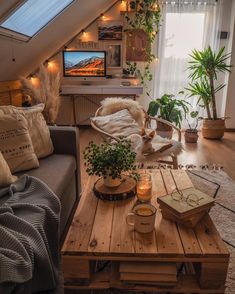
x=30, y=17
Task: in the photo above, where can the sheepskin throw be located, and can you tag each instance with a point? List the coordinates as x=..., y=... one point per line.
x=112, y=105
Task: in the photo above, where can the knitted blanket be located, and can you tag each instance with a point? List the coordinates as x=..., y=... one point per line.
x=29, y=234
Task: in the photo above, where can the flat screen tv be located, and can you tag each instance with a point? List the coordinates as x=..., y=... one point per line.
x=84, y=63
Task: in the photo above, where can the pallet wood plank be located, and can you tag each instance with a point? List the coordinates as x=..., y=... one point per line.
x=74, y=268
x=102, y=228
x=122, y=239
x=167, y=236
x=213, y=275
x=187, y=235
x=209, y=238
x=80, y=230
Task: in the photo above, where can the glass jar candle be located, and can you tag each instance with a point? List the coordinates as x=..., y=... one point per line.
x=144, y=187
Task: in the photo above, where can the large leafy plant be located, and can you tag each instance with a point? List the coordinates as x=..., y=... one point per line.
x=204, y=69
x=169, y=108
x=109, y=159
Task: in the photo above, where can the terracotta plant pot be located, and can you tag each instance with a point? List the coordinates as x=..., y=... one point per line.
x=110, y=182
x=191, y=136
x=164, y=130
x=213, y=129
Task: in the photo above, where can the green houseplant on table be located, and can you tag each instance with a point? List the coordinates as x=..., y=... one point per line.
x=109, y=161
x=204, y=69
x=170, y=109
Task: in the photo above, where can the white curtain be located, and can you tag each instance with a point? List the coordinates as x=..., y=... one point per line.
x=185, y=26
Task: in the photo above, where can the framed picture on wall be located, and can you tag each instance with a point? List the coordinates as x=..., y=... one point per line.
x=113, y=55
x=110, y=30
x=136, y=43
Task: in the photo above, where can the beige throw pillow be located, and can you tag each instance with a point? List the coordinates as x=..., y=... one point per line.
x=6, y=178
x=15, y=143
x=37, y=126
x=118, y=124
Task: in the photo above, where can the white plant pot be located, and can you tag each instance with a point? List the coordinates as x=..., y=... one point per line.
x=110, y=182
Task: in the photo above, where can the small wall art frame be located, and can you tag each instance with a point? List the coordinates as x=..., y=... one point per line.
x=110, y=30
x=113, y=55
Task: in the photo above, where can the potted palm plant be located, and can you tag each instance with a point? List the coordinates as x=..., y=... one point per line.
x=191, y=134
x=109, y=161
x=170, y=109
x=204, y=69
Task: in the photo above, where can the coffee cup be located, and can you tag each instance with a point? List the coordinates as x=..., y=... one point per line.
x=142, y=218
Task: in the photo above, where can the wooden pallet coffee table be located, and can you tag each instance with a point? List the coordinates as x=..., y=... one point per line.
x=99, y=232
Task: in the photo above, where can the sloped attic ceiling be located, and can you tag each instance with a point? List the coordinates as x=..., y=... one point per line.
x=29, y=55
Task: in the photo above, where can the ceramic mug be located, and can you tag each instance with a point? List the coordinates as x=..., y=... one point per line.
x=142, y=218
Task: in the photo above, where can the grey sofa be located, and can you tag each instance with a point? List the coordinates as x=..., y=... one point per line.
x=61, y=172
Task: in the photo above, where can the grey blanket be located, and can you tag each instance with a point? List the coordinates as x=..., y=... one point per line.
x=29, y=233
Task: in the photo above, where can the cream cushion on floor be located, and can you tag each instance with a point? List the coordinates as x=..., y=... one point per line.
x=6, y=178
x=37, y=126
x=15, y=143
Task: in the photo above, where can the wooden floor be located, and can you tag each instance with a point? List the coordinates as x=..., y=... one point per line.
x=219, y=152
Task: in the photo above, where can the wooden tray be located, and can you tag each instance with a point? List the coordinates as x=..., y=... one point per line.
x=126, y=190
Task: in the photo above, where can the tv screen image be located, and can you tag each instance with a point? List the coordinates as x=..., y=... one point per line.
x=84, y=63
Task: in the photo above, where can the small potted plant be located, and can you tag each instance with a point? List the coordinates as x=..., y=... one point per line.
x=191, y=134
x=109, y=161
x=170, y=109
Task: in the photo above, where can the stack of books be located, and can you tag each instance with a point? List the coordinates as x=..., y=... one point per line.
x=186, y=206
x=148, y=273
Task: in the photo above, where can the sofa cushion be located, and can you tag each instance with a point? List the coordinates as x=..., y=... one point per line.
x=16, y=144
x=56, y=171
x=118, y=124
x=6, y=178
x=37, y=126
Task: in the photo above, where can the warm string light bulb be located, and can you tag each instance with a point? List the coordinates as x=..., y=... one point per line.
x=102, y=16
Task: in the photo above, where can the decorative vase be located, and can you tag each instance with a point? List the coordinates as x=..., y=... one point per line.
x=191, y=136
x=111, y=183
x=213, y=128
x=164, y=130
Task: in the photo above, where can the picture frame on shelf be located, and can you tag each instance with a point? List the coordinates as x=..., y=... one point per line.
x=113, y=55
x=110, y=30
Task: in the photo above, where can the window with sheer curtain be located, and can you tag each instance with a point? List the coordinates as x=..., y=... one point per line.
x=185, y=26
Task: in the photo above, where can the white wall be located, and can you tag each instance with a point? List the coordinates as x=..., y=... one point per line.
x=230, y=102
x=29, y=55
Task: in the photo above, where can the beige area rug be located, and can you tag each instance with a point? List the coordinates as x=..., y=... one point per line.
x=220, y=186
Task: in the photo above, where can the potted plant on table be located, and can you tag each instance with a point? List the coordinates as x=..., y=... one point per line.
x=204, y=69
x=109, y=161
x=170, y=109
x=191, y=134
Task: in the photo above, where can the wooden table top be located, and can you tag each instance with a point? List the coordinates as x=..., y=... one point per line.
x=99, y=228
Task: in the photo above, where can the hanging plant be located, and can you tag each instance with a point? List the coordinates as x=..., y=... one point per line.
x=146, y=17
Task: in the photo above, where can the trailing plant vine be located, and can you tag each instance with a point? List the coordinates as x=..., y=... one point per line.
x=147, y=18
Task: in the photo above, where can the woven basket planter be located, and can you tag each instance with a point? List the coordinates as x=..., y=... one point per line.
x=191, y=136
x=213, y=129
